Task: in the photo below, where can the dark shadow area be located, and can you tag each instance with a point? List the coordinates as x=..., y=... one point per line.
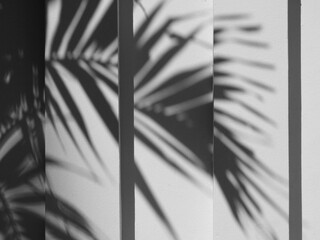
x=22, y=193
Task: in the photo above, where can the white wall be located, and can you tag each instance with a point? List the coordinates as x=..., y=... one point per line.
x=98, y=201
x=310, y=118
x=187, y=206
x=272, y=16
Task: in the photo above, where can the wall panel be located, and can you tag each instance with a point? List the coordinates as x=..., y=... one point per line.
x=173, y=110
x=310, y=112
x=82, y=148
x=251, y=199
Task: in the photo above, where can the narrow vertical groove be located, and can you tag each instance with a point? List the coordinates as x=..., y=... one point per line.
x=294, y=42
x=126, y=127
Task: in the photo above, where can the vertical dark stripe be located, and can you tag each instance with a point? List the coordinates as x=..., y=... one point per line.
x=213, y=100
x=126, y=128
x=294, y=41
x=43, y=23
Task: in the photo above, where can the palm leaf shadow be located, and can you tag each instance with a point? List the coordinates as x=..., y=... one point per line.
x=70, y=57
x=235, y=165
x=95, y=60
x=23, y=182
x=86, y=71
x=21, y=176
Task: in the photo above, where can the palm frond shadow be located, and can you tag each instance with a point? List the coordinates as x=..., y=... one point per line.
x=182, y=105
x=23, y=183
x=65, y=221
x=237, y=169
x=177, y=108
x=77, y=62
